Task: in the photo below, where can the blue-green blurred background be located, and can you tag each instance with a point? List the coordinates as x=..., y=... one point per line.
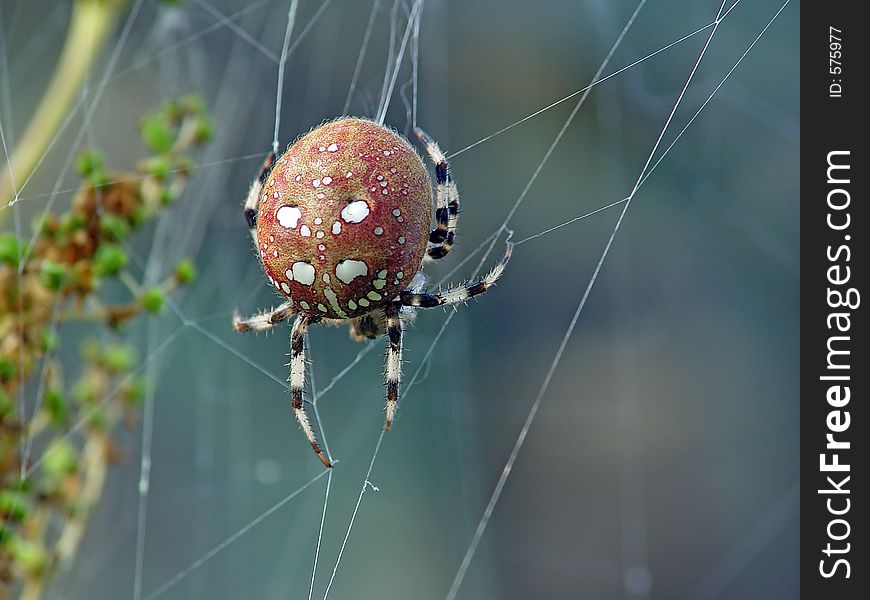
x=663, y=462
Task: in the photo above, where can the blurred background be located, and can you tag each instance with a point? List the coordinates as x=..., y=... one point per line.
x=663, y=462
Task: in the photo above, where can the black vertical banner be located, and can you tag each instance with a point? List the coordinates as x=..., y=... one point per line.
x=834, y=370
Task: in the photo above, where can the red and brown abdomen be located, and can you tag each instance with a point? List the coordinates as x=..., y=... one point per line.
x=343, y=221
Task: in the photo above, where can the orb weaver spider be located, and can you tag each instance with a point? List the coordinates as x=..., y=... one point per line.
x=341, y=222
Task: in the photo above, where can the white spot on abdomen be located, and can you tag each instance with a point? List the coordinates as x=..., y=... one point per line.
x=336, y=227
x=303, y=273
x=333, y=302
x=347, y=270
x=355, y=211
x=288, y=216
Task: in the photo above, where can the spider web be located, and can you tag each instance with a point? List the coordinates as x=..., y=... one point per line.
x=395, y=55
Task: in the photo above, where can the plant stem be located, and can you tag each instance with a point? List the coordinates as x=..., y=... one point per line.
x=91, y=22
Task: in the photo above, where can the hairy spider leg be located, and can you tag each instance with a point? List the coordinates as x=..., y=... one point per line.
x=458, y=293
x=393, y=374
x=369, y=326
x=264, y=321
x=253, y=197
x=441, y=238
x=297, y=382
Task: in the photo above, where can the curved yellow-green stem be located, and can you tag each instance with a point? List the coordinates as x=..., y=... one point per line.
x=90, y=25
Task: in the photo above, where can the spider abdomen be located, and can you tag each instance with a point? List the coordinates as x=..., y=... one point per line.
x=343, y=218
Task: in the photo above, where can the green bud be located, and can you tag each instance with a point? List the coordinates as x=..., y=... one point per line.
x=192, y=104
x=24, y=486
x=83, y=392
x=49, y=341
x=13, y=505
x=97, y=419
x=7, y=406
x=7, y=369
x=31, y=557
x=159, y=167
x=115, y=227
x=157, y=133
x=185, y=271
x=135, y=390
x=184, y=164
x=172, y=109
x=88, y=162
x=72, y=222
x=52, y=274
x=139, y=216
x=46, y=225
x=99, y=178
x=60, y=459
x=55, y=405
x=6, y=536
x=152, y=300
x=204, y=130
x=165, y=196
x=109, y=260
x=10, y=249
x=118, y=358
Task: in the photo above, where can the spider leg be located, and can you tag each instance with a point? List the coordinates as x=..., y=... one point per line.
x=369, y=326
x=297, y=382
x=394, y=361
x=253, y=197
x=264, y=321
x=446, y=201
x=457, y=293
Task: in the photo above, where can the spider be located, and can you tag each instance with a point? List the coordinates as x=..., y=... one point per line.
x=341, y=225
